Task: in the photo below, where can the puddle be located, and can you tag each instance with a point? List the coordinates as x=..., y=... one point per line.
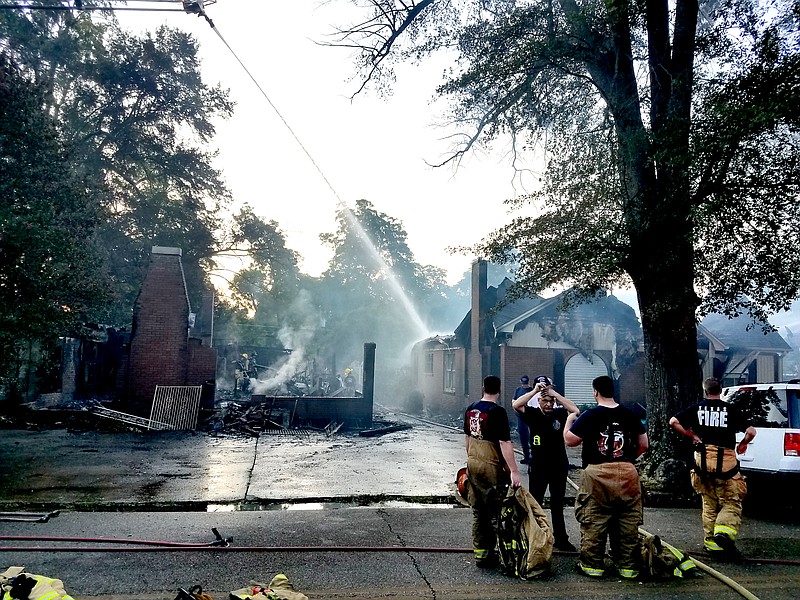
x=296, y=506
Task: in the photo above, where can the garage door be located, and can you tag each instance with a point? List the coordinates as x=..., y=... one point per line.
x=578, y=375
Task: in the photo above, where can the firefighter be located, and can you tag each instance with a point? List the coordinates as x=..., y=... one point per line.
x=491, y=467
x=549, y=463
x=712, y=425
x=609, y=501
x=349, y=381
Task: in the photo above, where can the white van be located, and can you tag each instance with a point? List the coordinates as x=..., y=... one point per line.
x=774, y=410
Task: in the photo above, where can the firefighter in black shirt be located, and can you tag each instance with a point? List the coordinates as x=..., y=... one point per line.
x=549, y=464
x=712, y=425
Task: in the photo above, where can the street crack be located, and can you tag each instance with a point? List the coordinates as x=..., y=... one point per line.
x=385, y=516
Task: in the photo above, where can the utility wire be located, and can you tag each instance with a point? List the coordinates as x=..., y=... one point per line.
x=87, y=8
x=274, y=108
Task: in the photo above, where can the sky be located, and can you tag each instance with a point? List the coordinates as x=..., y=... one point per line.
x=371, y=147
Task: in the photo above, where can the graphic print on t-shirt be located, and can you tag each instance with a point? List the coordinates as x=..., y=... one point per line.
x=611, y=442
x=476, y=419
x=712, y=416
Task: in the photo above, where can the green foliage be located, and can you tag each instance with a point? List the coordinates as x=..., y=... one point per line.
x=373, y=289
x=51, y=272
x=670, y=135
x=138, y=118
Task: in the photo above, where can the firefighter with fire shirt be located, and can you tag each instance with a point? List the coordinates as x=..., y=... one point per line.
x=712, y=424
x=609, y=501
x=491, y=467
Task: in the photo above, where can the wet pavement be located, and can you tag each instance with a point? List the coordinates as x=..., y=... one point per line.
x=189, y=470
x=352, y=517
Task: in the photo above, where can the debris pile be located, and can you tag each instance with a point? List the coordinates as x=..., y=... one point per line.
x=251, y=418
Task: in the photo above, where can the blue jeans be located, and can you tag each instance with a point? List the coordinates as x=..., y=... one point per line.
x=524, y=438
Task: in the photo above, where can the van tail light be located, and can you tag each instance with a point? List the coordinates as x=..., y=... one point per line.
x=791, y=444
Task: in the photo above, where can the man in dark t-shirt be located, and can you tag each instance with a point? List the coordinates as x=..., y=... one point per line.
x=491, y=467
x=712, y=425
x=549, y=463
x=522, y=428
x=609, y=502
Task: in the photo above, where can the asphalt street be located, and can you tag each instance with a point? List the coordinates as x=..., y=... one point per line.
x=342, y=517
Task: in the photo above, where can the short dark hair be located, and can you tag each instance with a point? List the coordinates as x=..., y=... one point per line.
x=491, y=385
x=604, y=386
x=712, y=386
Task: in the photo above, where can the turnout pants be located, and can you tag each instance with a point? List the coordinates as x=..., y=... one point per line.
x=609, y=507
x=488, y=482
x=722, y=505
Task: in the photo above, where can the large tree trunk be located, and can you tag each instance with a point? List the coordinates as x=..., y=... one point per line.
x=667, y=304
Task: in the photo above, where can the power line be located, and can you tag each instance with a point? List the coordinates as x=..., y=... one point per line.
x=275, y=108
x=87, y=8
x=190, y=7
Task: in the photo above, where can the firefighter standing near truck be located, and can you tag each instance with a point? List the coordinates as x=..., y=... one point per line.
x=712, y=425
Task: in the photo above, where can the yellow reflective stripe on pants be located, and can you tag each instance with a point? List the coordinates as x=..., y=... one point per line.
x=48, y=596
x=710, y=544
x=480, y=553
x=729, y=531
x=591, y=572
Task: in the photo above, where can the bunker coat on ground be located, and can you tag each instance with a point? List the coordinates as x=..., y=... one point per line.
x=37, y=587
x=525, y=538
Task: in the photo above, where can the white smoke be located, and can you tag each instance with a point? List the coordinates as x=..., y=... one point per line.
x=296, y=338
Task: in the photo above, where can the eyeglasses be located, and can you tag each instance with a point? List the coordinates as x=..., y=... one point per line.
x=546, y=400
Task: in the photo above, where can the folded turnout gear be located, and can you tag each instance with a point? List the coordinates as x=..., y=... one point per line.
x=662, y=561
x=524, y=536
x=18, y=585
x=280, y=588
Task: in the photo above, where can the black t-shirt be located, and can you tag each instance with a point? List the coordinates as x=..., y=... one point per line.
x=547, y=433
x=714, y=421
x=608, y=434
x=487, y=421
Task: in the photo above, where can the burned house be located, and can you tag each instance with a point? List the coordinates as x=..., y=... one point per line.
x=532, y=336
x=536, y=336
x=736, y=353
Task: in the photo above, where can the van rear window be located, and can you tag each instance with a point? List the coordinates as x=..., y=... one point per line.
x=793, y=401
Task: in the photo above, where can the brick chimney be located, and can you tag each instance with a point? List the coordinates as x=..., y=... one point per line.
x=159, y=353
x=475, y=362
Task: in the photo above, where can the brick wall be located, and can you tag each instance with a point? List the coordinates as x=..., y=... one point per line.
x=202, y=363
x=159, y=337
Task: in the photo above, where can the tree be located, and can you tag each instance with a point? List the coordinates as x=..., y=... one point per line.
x=138, y=117
x=266, y=289
x=51, y=273
x=670, y=133
x=373, y=289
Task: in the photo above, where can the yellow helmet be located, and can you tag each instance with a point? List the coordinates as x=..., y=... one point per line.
x=244, y=355
x=347, y=371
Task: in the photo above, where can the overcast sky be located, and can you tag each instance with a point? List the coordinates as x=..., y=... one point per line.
x=371, y=147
